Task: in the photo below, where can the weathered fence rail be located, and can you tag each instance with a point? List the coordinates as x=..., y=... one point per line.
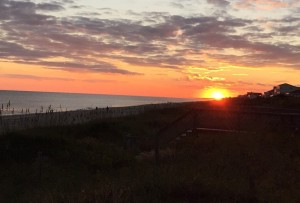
x=231, y=119
x=228, y=120
x=249, y=119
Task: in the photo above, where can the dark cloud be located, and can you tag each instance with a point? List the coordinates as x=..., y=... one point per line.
x=10, y=50
x=21, y=12
x=154, y=39
x=41, y=78
x=221, y=3
x=33, y=77
x=177, y=5
x=100, y=67
x=68, y=1
x=76, y=7
x=49, y=7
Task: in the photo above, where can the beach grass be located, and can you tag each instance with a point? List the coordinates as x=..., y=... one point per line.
x=94, y=162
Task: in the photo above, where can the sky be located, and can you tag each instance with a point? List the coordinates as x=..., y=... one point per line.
x=168, y=48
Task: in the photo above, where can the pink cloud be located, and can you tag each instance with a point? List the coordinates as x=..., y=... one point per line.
x=262, y=4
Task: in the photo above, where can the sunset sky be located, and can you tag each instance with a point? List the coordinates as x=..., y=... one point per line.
x=170, y=48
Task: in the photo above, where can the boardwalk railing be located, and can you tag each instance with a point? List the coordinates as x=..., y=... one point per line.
x=228, y=120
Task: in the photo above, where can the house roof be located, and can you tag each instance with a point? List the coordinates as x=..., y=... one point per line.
x=286, y=84
x=270, y=91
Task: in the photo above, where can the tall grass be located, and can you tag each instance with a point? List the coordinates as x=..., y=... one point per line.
x=93, y=163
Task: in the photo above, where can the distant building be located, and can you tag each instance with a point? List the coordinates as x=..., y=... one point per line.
x=284, y=89
x=253, y=95
x=269, y=93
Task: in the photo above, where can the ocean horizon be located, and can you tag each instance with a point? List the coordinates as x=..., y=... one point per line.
x=22, y=102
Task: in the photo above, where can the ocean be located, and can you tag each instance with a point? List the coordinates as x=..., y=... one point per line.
x=22, y=102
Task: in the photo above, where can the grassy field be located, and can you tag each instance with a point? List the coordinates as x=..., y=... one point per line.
x=111, y=161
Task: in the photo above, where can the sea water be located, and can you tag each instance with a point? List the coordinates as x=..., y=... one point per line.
x=22, y=102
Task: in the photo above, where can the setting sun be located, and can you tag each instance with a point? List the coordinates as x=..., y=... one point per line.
x=215, y=93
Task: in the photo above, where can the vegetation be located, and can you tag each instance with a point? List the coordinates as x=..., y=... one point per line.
x=111, y=161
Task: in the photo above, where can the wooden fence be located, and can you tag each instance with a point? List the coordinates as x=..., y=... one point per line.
x=228, y=120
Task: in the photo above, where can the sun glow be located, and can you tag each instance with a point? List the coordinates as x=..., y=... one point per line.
x=215, y=93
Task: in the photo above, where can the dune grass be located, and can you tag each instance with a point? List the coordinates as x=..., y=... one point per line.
x=93, y=163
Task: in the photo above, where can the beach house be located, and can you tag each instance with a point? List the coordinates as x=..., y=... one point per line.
x=253, y=95
x=284, y=89
x=269, y=93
